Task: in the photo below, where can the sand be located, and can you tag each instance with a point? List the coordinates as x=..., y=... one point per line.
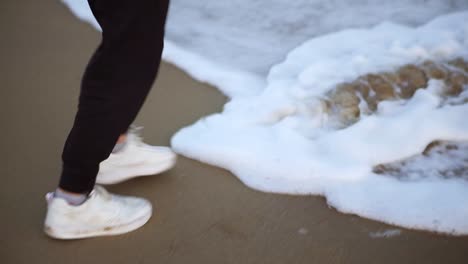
x=203, y=214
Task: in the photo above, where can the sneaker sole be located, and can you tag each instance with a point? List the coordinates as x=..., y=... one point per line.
x=107, y=231
x=126, y=173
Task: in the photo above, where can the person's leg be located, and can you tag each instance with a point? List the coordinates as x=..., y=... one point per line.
x=115, y=85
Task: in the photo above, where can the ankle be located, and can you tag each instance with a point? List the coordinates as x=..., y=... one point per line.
x=122, y=139
x=71, y=198
x=121, y=142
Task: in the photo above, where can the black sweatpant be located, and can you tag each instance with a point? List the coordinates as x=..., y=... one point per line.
x=114, y=86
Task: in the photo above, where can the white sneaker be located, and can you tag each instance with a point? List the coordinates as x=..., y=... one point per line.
x=102, y=214
x=135, y=159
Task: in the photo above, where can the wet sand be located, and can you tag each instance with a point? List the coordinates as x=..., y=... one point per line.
x=203, y=214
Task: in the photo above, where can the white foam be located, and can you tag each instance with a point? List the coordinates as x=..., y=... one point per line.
x=386, y=233
x=279, y=141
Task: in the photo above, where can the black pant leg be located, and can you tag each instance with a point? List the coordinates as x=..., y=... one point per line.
x=114, y=86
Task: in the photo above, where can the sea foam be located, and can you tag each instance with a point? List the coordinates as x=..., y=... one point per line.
x=278, y=141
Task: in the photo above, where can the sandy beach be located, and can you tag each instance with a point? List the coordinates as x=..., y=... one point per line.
x=203, y=214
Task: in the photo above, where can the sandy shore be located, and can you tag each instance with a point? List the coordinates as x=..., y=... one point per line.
x=203, y=214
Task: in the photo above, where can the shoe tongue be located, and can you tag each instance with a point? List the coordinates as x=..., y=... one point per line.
x=101, y=192
x=134, y=136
